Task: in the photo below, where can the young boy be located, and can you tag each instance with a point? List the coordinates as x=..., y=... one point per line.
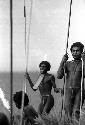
x=4, y=119
x=29, y=113
x=73, y=71
x=45, y=83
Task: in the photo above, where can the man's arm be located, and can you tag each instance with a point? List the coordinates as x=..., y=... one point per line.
x=60, y=72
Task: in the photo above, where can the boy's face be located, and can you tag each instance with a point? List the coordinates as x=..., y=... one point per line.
x=43, y=69
x=76, y=53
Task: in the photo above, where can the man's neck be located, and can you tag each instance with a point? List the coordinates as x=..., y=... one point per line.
x=76, y=60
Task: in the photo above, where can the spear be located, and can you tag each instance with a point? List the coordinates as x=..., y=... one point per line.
x=11, y=62
x=66, y=53
x=26, y=53
x=68, y=26
x=24, y=83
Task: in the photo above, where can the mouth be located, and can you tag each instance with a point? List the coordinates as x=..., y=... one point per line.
x=41, y=70
x=76, y=56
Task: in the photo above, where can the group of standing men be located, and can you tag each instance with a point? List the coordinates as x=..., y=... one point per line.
x=72, y=70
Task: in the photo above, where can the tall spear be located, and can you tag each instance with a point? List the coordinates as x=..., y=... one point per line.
x=68, y=26
x=66, y=53
x=26, y=53
x=24, y=83
x=11, y=61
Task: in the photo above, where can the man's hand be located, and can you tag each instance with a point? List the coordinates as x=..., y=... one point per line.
x=65, y=58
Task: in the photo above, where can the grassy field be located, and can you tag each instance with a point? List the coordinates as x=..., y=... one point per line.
x=34, y=97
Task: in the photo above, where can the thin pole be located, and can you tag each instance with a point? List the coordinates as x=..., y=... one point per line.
x=68, y=26
x=22, y=104
x=11, y=62
x=24, y=83
x=26, y=53
x=64, y=87
x=82, y=82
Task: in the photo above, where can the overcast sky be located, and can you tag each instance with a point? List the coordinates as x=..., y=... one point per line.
x=48, y=32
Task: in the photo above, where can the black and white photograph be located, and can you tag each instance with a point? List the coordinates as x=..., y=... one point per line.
x=42, y=62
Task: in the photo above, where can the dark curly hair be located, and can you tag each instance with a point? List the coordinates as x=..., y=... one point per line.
x=46, y=63
x=18, y=99
x=77, y=44
x=4, y=119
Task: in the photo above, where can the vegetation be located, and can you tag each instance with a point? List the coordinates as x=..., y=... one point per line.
x=53, y=120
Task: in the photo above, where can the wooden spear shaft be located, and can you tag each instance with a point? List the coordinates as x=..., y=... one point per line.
x=64, y=87
x=11, y=62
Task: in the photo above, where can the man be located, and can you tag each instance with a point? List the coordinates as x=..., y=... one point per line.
x=73, y=71
x=45, y=83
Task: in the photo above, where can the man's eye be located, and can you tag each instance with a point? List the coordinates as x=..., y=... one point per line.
x=76, y=50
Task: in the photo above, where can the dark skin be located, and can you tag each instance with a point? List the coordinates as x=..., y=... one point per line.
x=45, y=87
x=29, y=113
x=43, y=70
x=77, y=54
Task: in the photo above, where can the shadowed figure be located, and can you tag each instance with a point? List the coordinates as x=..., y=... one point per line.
x=29, y=113
x=4, y=119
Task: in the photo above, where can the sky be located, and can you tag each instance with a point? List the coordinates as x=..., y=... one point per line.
x=48, y=32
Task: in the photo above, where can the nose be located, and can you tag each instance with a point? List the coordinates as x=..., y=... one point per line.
x=75, y=51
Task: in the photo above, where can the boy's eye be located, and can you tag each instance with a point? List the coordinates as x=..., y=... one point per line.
x=43, y=67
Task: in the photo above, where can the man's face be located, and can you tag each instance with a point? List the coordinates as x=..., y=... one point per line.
x=43, y=69
x=76, y=53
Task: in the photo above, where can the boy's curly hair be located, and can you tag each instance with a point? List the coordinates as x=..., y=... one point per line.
x=45, y=63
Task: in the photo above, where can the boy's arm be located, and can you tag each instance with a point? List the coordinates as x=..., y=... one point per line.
x=54, y=85
x=30, y=81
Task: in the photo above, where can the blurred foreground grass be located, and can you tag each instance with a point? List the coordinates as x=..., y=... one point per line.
x=53, y=120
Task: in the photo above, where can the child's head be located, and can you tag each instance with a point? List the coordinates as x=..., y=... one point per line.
x=76, y=50
x=3, y=119
x=44, y=66
x=18, y=99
